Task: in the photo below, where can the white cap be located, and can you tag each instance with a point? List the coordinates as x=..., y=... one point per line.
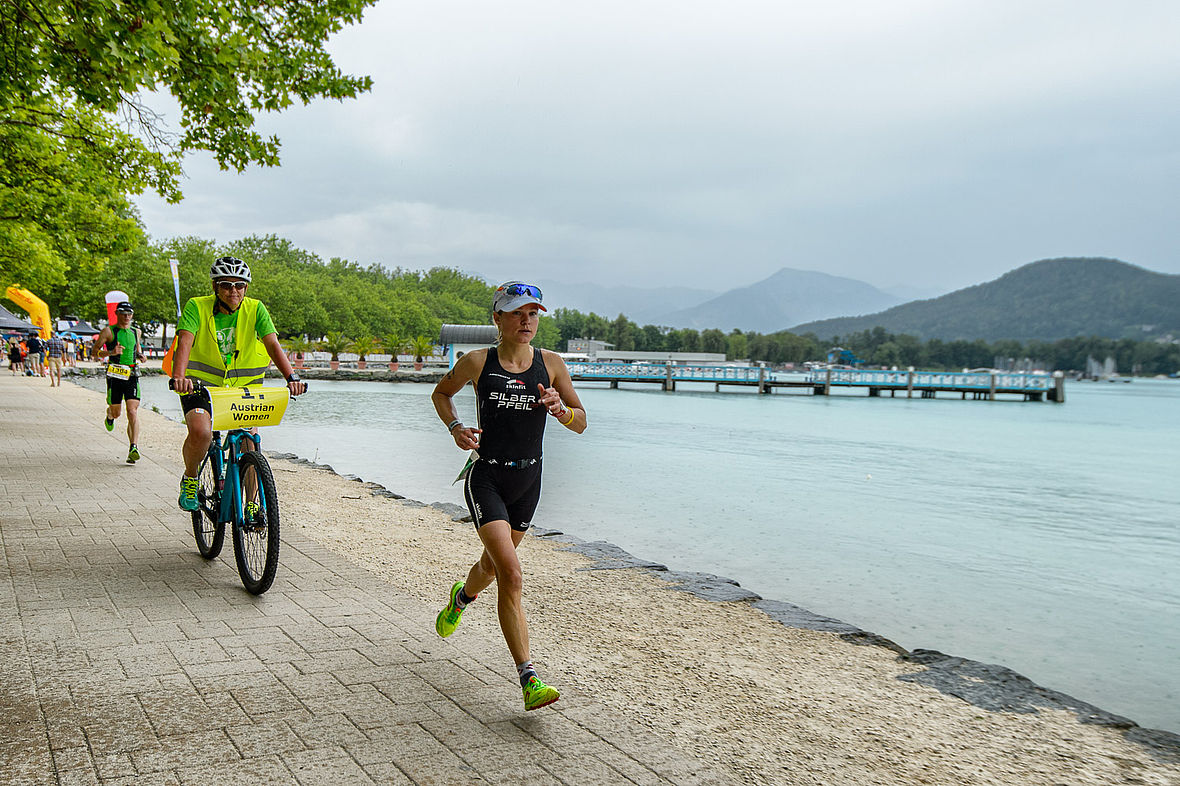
x=511, y=295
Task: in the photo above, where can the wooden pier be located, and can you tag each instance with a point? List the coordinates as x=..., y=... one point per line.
x=979, y=386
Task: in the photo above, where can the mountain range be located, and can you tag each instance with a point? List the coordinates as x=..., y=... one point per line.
x=774, y=303
x=1047, y=300
x=786, y=298
x=644, y=306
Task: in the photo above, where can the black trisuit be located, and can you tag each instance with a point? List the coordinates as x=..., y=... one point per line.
x=505, y=482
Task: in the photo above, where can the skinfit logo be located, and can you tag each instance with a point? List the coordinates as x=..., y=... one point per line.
x=509, y=382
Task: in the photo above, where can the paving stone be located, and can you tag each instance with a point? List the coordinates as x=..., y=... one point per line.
x=148, y=779
x=502, y=756
x=554, y=730
x=180, y=750
x=72, y=758
x=226, y=708
x=327, y=729
x=255, y=740
x=78, y=777
x=533, y=775
x=25, y=754
x=387, y=774
x=628, y=767
x=119, y=736
x=189, y=652
x=441, y=769
x=326, y=766
x=172, y=713
x=265, y=699
x=580, y=770
x=461, y=733
x=113, y=765
x=252, y=772
x=446, y=676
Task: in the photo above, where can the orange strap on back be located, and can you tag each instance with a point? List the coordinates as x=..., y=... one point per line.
x=166, y=364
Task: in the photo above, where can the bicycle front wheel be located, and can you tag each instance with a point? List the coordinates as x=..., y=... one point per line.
x=256, y=530
x=208, y=529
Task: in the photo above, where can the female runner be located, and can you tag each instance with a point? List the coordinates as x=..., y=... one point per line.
x=516, y=387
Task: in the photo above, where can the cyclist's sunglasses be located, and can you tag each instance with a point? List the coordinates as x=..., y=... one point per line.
x=238, y=285
x=514, y=290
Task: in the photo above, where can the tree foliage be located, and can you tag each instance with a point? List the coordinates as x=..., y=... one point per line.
x=70, y=68
x=304, y=295
x=65, y=176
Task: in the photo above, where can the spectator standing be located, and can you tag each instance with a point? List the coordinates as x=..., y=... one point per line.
x=55, y=348
x=14, y=356
x=35, y=346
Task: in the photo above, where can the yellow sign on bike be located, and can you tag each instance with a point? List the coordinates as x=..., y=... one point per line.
x=248, y=407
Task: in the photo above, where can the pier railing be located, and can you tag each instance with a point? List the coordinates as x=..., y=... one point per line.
x=655, y=372
x=1032, y=386
x=949, y=380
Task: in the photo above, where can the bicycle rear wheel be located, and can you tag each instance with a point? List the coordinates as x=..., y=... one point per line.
x=256, y=538
x=208, y=529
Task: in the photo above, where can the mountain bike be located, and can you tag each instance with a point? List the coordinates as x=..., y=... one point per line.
x=237, y=488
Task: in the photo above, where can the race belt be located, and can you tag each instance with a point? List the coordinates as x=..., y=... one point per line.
x=118, y=371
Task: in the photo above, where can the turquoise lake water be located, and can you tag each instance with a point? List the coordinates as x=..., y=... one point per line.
x=1039, y=536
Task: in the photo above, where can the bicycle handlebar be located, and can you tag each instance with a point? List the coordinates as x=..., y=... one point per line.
x=198, y=386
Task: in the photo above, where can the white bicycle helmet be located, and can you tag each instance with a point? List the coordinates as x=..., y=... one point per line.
x=229, y=267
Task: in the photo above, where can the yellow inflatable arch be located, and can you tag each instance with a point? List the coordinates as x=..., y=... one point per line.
x=38, y=311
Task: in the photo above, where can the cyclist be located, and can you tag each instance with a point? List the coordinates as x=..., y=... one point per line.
x=224, y=340
x=120, y=346
x=516, y=385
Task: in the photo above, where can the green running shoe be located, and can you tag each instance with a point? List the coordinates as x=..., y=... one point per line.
x=251, y=510
x=188, y=493
x=448, y=619
x=110, y=424
x=133, y=455
x=537, y=694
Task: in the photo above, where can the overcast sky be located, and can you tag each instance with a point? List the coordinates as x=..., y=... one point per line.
x=932, y=145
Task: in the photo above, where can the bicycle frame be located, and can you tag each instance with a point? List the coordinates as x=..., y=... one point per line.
x=224, y=457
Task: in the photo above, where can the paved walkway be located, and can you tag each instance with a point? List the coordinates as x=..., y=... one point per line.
x=126, y=658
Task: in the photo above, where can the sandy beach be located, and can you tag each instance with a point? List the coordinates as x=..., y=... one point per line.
x=760, y=701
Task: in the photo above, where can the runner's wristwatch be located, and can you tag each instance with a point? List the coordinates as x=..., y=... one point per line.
x=294, y=378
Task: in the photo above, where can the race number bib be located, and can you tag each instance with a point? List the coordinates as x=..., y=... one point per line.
x=117, y=371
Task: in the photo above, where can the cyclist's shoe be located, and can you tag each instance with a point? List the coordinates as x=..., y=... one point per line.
x=133, y=455
x=188, y=493
x=537, y=694
x=251, y=515
x=110, y=424
x=448, y=619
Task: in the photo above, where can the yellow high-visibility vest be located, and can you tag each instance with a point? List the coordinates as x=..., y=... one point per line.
x=250, y=359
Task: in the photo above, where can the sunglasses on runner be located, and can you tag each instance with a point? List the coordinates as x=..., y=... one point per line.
x=227, y=285
x=515, y=290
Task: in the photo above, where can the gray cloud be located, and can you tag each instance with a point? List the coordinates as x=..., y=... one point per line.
x=709, y=144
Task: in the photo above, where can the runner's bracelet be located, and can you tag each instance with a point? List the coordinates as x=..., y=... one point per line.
x=453, y=423
x=567, y=422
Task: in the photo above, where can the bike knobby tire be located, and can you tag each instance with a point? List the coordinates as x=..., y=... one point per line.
x=208, y=529
x=256, y=540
